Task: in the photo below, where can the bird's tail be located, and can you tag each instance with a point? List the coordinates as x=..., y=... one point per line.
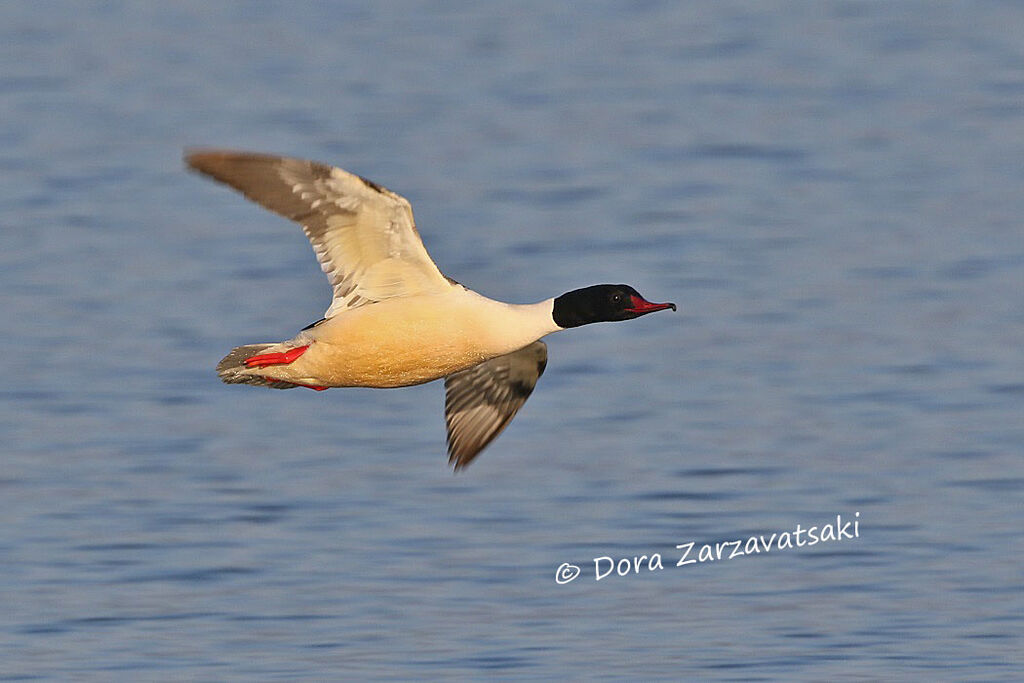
x=233, y=370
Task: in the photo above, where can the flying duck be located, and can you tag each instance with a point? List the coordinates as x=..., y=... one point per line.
x=395, y=320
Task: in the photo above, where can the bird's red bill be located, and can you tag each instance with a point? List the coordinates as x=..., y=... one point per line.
x=642, y=305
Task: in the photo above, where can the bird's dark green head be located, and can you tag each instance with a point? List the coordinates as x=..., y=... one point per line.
x=602, y=303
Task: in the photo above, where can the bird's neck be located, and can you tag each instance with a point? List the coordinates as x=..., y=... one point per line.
x=535, y=320
x=513, y=326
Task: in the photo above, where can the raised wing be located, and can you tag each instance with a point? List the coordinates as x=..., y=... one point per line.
x=363, y=234
x=481, y=401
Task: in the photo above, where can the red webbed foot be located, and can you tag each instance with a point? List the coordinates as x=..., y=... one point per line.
x=264, y=359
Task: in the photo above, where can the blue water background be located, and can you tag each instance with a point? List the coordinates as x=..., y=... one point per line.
x=831, y=191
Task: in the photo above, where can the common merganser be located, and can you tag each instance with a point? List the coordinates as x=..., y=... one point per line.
x=395, y=320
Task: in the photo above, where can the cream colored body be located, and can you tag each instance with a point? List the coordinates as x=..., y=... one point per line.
x=410, y=340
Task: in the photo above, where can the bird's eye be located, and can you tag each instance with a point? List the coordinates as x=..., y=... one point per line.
x=617, y=298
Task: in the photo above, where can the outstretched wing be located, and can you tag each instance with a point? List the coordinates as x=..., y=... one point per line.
x=481, y=401
x=363, y=234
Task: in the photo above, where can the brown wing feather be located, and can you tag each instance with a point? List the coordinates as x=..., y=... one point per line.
x=481, y=401
x=362, y=233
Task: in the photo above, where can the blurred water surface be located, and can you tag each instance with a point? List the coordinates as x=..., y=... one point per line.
x=830, y=191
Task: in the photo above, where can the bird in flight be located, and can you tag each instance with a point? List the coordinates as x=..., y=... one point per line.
x=395, y=320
